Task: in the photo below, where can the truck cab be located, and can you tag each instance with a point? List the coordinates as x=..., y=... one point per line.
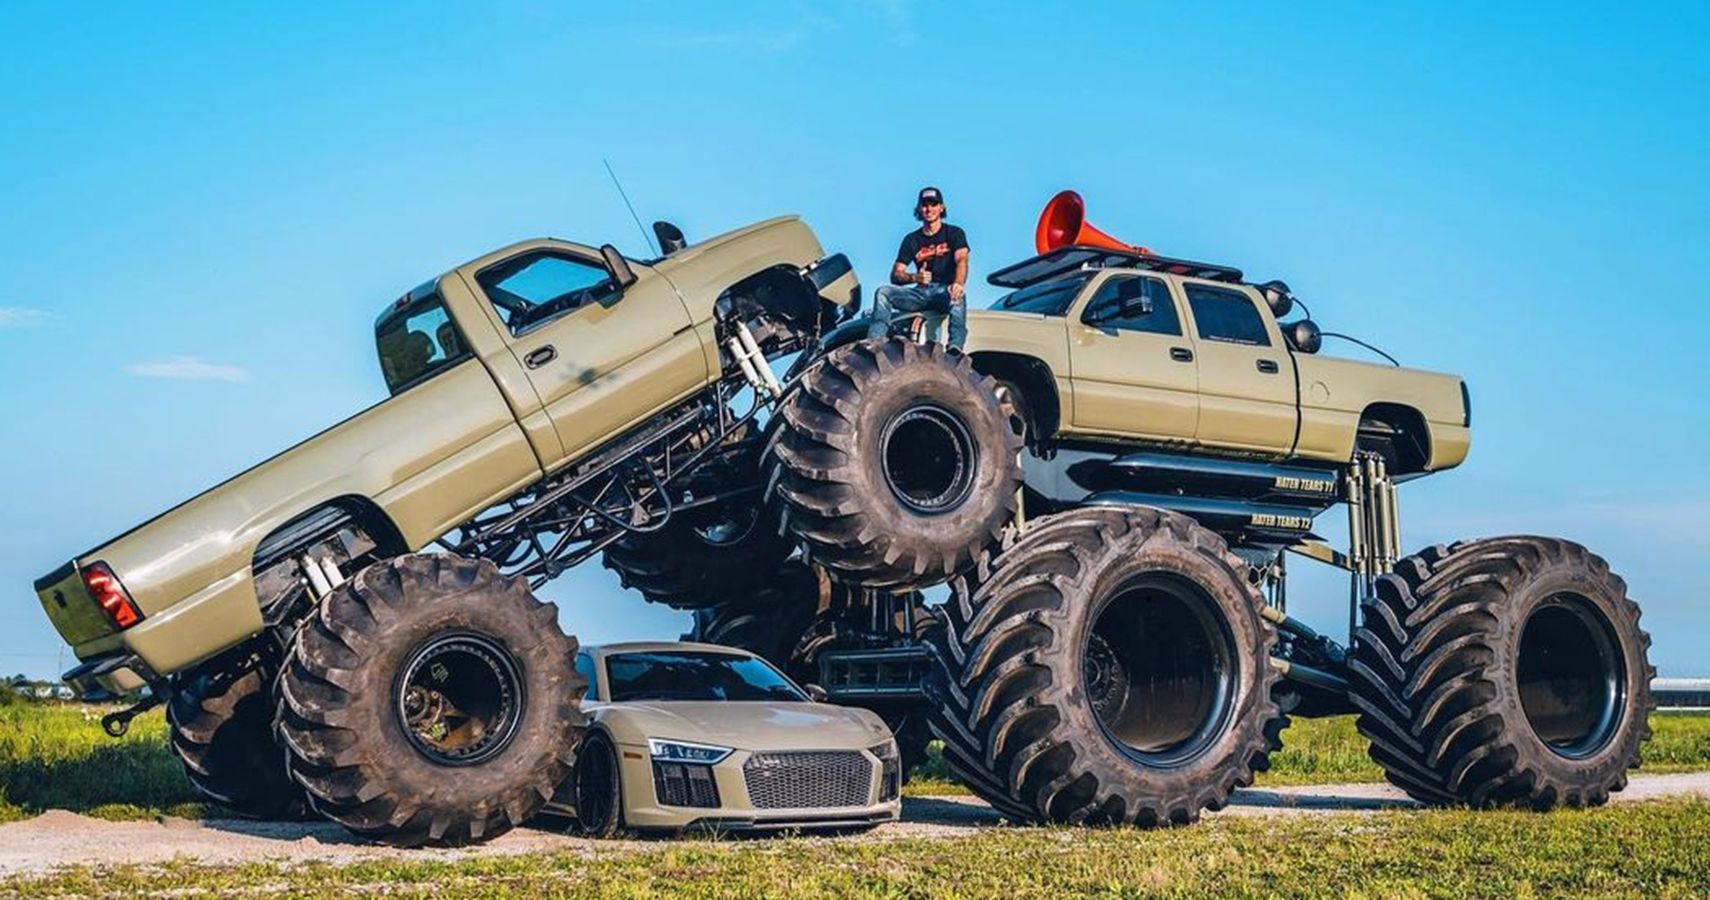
x=1109, y=346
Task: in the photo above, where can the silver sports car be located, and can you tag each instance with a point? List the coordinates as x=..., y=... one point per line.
x=696, y=735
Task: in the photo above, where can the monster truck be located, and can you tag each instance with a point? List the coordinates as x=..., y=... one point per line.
x=1127, y=655
x=349, y=628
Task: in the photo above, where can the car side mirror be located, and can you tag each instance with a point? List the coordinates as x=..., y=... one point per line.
x=618, y=267
x=1304, y=335
x=816, y=693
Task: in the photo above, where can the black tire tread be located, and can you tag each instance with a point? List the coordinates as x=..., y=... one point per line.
x=1419, y=668
x=995, y=698
x=321, y=742
x=812, y=465
x=220, y=729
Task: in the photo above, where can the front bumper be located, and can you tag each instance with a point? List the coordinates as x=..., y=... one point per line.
x=736, y=811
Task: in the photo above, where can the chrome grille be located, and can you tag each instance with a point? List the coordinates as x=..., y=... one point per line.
x=818, y=779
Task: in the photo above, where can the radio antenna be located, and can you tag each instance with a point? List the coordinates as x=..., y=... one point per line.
x=645, y=237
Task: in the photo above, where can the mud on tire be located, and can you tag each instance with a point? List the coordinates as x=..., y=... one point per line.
x=1505, y=671
x=221, y=723
x=896, y=464
x=430, y=700
x=1110, y=666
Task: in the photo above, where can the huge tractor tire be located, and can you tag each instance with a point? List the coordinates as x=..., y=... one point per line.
x=767, y=622
x=1506, y=671
x=430, y=699
x=1109, y=667
x=221, y=722
x=896, y=464
x=702, y=557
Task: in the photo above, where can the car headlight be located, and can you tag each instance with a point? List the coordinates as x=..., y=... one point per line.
x=686, y=752
x=885, y=751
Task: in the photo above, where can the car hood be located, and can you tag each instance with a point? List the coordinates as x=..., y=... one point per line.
x=746, y=725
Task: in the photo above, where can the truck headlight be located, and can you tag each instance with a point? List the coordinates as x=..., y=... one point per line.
x=885, y=751
x=686, y=752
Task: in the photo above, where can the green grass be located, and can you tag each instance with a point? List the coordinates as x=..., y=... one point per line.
x=1330, y=751
x=1650, y=849
x=55, y=756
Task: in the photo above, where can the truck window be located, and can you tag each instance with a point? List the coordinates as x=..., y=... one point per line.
x=535, y=287
x=1225, y=315
x=417, y=340
x=1122, y=301
x=1048, y=298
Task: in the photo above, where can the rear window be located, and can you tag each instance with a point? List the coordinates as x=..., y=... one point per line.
x=1048, y=298
x=691, y=675
x=417, y=340
x=1225, y=315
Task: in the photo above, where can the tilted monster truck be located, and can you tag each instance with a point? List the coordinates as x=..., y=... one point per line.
x=548, y=401
x=1127, y=656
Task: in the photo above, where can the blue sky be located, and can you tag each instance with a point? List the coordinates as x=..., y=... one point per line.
x=203, y=207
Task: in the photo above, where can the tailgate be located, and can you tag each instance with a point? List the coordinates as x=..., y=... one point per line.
x=74, y=613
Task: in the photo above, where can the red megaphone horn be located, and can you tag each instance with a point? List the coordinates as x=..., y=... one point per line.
x=1064, y=222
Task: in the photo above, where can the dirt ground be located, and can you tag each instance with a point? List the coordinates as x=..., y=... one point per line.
x=59, y=838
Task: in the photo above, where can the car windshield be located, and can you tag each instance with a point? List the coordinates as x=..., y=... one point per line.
x=1048, y=298
x=694, y=675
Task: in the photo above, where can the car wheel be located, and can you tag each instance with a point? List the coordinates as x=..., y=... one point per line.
x=599, y=788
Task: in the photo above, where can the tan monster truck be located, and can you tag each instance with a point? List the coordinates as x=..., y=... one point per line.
x=1127, y=655
x=549, y=401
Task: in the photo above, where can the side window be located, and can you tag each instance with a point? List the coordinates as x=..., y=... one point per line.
x=416, y=341
x=1225, y=315
x=585, y=668
x=535, y=287
x=1133, y=303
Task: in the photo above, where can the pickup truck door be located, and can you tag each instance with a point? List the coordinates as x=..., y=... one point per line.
x=602, y=360
x=1131, y=366
x=1248, y=398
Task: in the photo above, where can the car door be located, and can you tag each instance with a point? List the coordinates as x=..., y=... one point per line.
x=1131, y=366
x=601, y=359
x=1248, y=399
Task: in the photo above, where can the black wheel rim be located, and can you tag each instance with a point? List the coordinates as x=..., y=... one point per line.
x=460, y=699
x=1160, y=669
x=1571, y=677
x=928, y=458
x=596, y=787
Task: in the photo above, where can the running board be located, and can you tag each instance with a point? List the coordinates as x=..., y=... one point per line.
x=1258, y=520
x=1225, y=477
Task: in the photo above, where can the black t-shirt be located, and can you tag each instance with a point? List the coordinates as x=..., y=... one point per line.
x=935, y=253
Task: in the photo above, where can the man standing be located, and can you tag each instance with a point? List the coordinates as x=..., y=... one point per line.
x=939, y=252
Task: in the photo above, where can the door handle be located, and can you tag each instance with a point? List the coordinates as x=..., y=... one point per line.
x=1268, y=366
x=1181, y=354
x=540, y=357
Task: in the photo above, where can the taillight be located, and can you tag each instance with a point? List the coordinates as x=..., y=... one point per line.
x=110, y=595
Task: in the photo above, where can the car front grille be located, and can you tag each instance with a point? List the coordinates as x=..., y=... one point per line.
x=809, y=779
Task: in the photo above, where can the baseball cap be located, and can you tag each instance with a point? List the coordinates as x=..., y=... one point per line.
x=929, y=195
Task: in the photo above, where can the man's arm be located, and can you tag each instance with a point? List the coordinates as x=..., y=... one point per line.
x=958, y=288
x=905, y=254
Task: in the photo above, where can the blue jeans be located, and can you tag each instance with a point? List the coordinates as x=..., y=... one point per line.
x=919, y=298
